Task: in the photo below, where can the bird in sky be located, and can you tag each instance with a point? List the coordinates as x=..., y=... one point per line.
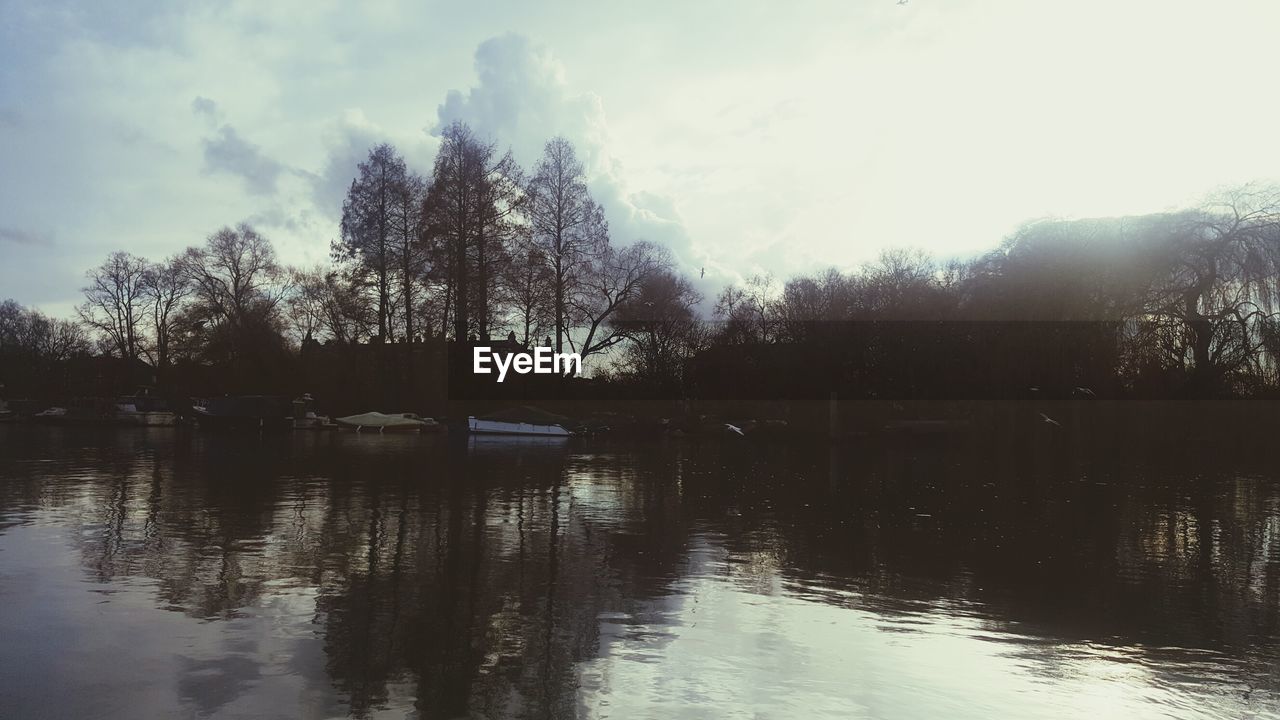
x=902, y=2
x=1050, y=421
x=703, y=273
x=1084, y=391
x=733, y=429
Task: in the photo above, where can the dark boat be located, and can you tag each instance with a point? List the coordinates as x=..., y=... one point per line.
x=244, y=412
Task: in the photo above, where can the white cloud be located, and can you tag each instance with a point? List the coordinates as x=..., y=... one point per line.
x=523, y=98
x=741, y=137
x=347, y=141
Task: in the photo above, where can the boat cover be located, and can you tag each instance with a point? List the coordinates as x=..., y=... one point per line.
x=377, y=419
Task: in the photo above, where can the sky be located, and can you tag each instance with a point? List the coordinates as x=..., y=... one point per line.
x=745, y=136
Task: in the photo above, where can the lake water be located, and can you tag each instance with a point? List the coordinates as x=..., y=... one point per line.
x=162, y=573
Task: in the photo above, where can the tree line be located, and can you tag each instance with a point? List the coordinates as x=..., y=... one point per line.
x=483, y=248
x=480, y=249
x=1180, y=303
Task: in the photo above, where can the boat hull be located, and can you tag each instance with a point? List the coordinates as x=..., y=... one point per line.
x=209, y=421
x=247, y=412
x=399, y=429
x=497, y=427
x=146, y=419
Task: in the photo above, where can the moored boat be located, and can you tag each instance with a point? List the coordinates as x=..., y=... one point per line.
x=77, y=411
x=305, y=418
x=144, y=411
x=135, y=418
x=52, y=415
x=387, y=423
x=477, y=426
x=245, y=412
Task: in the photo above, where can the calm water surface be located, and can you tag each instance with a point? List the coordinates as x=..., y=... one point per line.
x=154, y=573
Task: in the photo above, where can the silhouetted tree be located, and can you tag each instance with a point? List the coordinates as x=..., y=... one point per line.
x=165, y=287
x=115, y=305
x=613, y=278
x=237, y=288
x=410, y=260
x=500, y=204
x=810, y=303
x=902, y=284
x=528, y=282
x=662, y=329
x=369, y=225
x=32, y=344
x=748, y=312
x=453, y=215
x=322, y=305
x=1218, y=304
x=569, y=227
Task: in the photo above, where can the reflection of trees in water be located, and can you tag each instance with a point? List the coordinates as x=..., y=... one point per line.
x=1161, y=551
x=485, y=588
x=475, y=580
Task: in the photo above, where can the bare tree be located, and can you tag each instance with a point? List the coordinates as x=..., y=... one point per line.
x=61, y=339
x=528, y=281
x=453, y=216
x=236, y=289
x=609, y=282
x=436, y=304
x=410, y=254
x=324, y=306
x=115, y=304
x=810, y=303
x=1217, y=309
x=662, y=328
x=304, y=305
x=15, y=328
x=896, y=285
x=27, y=335
x=165, y=288
x=499, y=203
x=569, y=227
x=748, y=311
x=369, y=225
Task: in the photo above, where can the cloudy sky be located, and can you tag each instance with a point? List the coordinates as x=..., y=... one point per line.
x=744, y=135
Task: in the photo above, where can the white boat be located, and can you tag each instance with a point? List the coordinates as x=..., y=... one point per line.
x=129, y=414
x=144, y=410
x=311, y=421
x=500, y=427
x=304, y=418
x=52, y=414
x=385, y=423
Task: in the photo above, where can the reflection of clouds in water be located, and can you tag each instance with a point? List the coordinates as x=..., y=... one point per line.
x=86, y=654
x=211, y=683
x=726, y=646
x=405, y=572
x=598, y=490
